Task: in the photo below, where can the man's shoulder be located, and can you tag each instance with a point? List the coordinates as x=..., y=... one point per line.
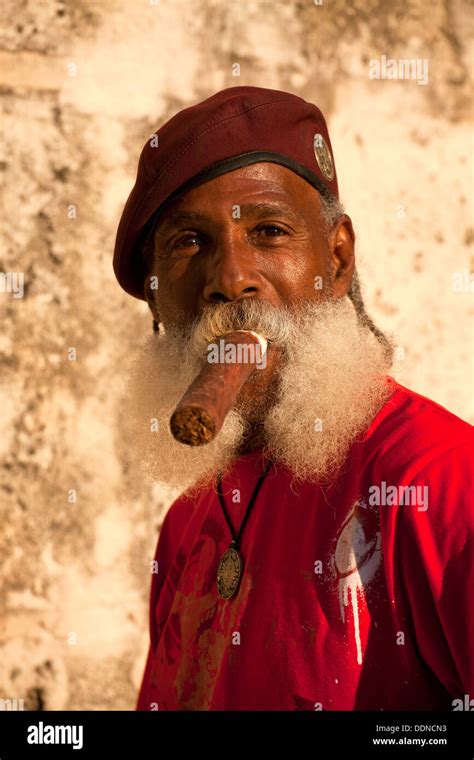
x=414, y=431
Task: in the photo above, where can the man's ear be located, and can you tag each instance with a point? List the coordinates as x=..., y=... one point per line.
x=341, y=246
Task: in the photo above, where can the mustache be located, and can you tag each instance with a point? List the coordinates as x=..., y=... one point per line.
x=274, y=323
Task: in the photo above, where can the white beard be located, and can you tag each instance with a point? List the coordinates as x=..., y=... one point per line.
x=332, y=381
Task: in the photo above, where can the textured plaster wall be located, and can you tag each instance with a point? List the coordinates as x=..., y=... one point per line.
x=83, y=86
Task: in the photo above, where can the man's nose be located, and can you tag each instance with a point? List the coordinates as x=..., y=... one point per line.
x=231, y=273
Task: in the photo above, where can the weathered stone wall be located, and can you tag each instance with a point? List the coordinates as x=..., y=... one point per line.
x=84, y=84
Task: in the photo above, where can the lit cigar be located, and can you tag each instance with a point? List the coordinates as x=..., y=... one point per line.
x=201, y=412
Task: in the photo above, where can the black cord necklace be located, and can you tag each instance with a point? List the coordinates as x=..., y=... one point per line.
x=229, y=571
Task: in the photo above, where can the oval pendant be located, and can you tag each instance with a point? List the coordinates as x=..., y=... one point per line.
x=229, y=572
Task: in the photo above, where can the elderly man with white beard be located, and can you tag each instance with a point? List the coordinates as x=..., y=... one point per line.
x=296, y=570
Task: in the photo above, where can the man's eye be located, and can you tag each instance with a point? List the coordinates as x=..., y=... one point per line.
x=272, y=230
x=186, y=241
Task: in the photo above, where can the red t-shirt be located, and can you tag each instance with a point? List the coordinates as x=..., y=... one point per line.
x=356, y=596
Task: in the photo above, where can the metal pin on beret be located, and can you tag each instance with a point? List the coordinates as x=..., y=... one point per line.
x=231, y=129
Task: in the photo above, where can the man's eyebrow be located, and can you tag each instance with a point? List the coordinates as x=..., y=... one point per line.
x=269, y=208
x=181, y=218
x=247, y=209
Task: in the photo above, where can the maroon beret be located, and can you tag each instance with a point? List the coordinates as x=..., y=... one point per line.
x=233, y=128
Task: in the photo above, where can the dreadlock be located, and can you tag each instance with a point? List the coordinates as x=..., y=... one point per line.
x=355, y=295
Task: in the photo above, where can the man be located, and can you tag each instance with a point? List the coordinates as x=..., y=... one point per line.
x=343, y=495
